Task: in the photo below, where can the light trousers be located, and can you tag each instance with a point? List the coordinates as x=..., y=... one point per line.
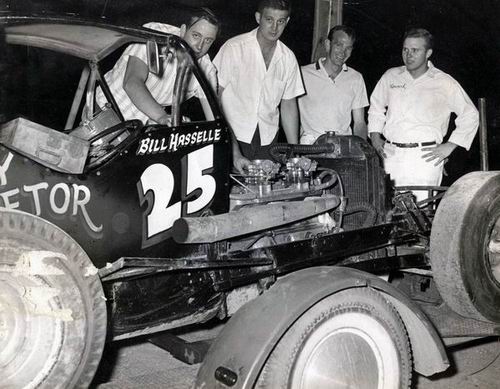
x=406, y=167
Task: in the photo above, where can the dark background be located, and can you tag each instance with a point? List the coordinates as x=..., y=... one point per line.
x=467, y=40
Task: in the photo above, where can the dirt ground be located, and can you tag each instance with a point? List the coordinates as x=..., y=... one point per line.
x=140, y=364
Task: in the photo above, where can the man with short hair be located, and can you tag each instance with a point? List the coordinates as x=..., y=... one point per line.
x=334, y=91
x=411, y=106
x=143, y=95
x=259, y=77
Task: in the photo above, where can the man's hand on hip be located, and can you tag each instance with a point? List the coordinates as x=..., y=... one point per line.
x=438, y=153
x=378, y=143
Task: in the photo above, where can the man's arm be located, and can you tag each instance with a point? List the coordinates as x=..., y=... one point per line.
x=466, y=122
x=360, y=129
x=240, y=163
x=290, y=120
x=134, y=84
x=377, y=116
x=378, y=143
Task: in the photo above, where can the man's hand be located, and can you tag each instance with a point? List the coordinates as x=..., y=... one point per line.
x=165, y=120
x=378, y=143
x=240, y=163
x=438, y=153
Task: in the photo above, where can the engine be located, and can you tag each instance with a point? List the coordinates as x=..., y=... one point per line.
x=305, y=191
x=361, y=180
x=269, y=181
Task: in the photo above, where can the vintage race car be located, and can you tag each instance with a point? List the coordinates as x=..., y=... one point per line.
x=114, y=186
x=111, y=229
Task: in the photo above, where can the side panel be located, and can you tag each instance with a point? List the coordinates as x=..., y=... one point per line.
x=127, y=206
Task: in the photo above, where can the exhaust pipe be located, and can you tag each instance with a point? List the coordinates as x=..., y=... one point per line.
x=248, y=220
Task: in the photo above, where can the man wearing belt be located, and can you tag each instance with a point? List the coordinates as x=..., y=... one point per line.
x=411, y=106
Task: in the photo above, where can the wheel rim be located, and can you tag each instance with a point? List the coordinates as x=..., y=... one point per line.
x=30, y=341
x=351, y=350
x=494, y=252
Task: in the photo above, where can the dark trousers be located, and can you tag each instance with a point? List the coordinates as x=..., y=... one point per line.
x=255, y=150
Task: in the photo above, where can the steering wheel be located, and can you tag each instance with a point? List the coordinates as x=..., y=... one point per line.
x=108, y=149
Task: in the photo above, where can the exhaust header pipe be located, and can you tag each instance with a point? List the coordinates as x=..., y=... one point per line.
x=248, y=220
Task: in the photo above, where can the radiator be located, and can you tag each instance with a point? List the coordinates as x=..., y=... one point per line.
x=362, y=176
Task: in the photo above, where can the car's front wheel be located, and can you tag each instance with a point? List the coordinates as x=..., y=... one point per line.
x=52, y=306
x=352, y=339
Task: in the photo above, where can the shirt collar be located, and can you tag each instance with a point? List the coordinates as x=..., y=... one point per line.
x=278, y=52
x=431, y=72
x=320, y=66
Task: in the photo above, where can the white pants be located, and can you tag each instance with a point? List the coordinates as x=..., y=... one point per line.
x=406, y=167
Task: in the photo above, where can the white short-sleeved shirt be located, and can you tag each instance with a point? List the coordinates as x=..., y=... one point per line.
x=407, y=110
x=327, y=104
x=252, y=93
x=161, y=88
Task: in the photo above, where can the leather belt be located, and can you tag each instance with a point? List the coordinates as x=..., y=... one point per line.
x=409, y=145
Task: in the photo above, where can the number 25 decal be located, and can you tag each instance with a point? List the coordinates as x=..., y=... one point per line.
x=157, y=186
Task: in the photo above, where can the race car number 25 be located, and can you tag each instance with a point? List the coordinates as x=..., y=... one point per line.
x=157, y=184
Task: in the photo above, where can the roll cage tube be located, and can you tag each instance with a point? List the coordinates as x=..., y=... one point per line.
x=107, y=92
x=77, y=100
x=183, y=65
x=87, y=84
x=186, y=62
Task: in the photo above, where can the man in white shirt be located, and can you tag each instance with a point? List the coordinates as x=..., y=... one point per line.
x=411, y=107
x=143, y=95
x=258, y=77
x=334, y=91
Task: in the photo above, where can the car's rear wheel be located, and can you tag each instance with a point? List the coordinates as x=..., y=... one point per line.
x=52, y=307
x=465, y=246
x=352, y=339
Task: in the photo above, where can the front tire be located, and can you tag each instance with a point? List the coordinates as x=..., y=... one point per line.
x=354, y=338
x=52, y=306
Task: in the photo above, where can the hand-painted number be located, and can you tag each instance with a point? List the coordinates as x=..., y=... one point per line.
x=198, y=162
x=159, y=179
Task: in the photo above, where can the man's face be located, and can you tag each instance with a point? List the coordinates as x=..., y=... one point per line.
x=272, y=23
x=200, y=36
x=415, y=53
x=340, y=48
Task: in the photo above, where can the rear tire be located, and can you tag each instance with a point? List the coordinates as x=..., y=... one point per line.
x=465, y=246
x=52, y=306
x=354, y=338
